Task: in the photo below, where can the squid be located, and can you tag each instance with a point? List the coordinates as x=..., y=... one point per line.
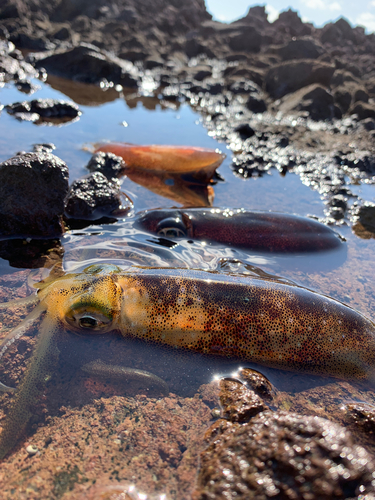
x=199, y=163
x=264, y=321
x=250, y=230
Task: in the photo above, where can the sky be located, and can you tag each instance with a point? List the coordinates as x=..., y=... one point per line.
x=318, y=12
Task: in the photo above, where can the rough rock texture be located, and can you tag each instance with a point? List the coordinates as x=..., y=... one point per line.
x=32, y=191
x=108, y=164
x=288, y=456
x=93, y=197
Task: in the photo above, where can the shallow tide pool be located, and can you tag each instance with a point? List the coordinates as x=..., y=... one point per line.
x=77, y=407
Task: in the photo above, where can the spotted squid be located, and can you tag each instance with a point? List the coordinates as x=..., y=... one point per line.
x=256, y=320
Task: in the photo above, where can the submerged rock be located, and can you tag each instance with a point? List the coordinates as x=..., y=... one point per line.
x=287, y=456
x=94, y=197
x=32, y=191
x=239, y=403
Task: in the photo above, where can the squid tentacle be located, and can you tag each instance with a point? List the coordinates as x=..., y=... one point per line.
x=41, y=364
x=20, y=330
x=17, y=333
x=24, y=301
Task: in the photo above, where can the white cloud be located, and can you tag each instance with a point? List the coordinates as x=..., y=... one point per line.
x=367, y=20
x=334, y=6
x=322, y=5
x=272, y=13
x=371, y=4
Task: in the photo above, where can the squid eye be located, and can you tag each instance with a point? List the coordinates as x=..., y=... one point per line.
x=86, y=319
x=88, y=322
x=171, y=227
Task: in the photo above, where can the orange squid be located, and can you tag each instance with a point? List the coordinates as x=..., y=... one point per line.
x=200, y=163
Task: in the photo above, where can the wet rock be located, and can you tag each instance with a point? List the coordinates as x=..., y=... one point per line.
x=108, y=164
x=124, y=490
x=288, y=77
x=341, y=77
x=285, y=455
x=239, y=403
x=314, y=99
x=244, y=131
x=201, y=72
x=337, y=206
x=301, y=48
x=243, y=87
x=14, y=69
x=363, y=110
x=32, y=191
x=31, y=253
x=194, y=47
x=363, y=414
x=26, y=86
x=152, y=62
x=256, y=104
x=88, y=64
x=47, y=147
x=44, y=110
x=245, y=71
x=348, y=93
x=30, y=42
x=364, y=220
x=94, y=197
x=343, y=98
x=369, y=123
x=133, y=55
x=257, y=382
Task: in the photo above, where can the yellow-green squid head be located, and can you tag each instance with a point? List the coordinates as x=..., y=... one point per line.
x=86, y=303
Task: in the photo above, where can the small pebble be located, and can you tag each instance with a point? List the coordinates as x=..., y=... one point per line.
x=215, y=412
x=32, y=449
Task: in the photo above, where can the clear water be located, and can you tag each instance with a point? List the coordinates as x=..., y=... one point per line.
x=347, y=277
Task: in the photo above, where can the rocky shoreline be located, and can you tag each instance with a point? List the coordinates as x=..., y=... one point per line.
x=283, y=95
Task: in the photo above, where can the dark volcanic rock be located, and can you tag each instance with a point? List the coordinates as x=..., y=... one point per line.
x=51, y=110
x=86, y=63
x=108, y=164
x=301, y=48
x=314, y=99
x=245, y=40
x=31, y=253
x=256, y=104
x=291, y=24
x=363, y=110
x=286, y=456
x=32, y=191
x=94, y=197
x=290, y=76
x=338, y=33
